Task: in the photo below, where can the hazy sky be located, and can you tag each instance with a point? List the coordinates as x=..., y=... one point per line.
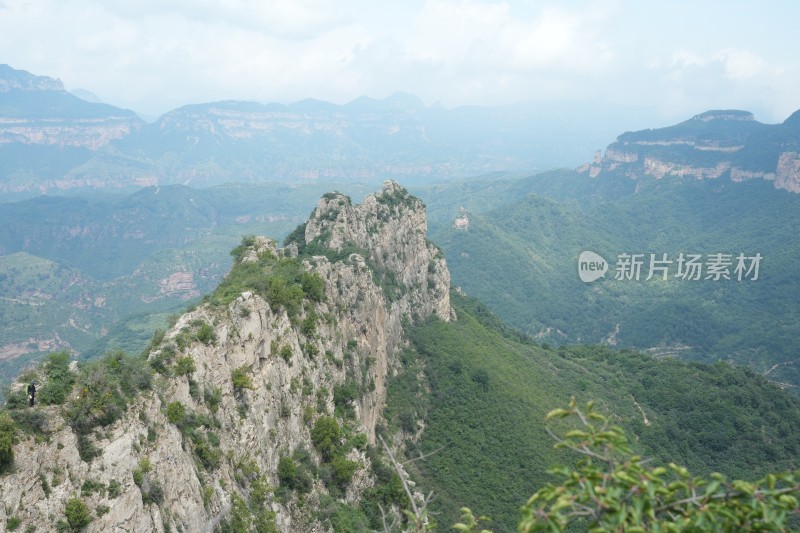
x=680, y=57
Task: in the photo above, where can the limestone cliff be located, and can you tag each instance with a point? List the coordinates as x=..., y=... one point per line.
x=247, y=378
x=712, y=145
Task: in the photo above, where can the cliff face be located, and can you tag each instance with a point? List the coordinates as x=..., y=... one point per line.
x=715, y=144
x=380, y=275
x=91, y=133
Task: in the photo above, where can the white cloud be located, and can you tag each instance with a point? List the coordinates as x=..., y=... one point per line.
x=493, y=35
x=156, y=54
x=741, y=64
x=737, y=64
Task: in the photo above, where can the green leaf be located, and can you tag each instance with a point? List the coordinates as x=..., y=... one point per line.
x=560, y=413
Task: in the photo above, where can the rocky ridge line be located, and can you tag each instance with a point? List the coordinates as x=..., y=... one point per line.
x=294, y=359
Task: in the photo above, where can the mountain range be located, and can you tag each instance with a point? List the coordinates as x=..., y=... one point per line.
x=52, y=141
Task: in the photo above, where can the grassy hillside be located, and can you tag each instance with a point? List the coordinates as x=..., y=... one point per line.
x=486, y=390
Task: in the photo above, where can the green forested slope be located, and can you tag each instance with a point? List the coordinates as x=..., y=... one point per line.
x=521, y=260
x=486, y=391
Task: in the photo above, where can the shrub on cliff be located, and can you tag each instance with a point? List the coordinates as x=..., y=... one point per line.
x=7, y=431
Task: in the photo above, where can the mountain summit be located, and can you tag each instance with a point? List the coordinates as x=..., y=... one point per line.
x=23, y=80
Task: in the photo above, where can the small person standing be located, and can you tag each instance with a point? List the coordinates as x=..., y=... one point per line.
x=32, y=393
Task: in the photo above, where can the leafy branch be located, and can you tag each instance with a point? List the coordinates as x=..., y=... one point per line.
x=612, y=489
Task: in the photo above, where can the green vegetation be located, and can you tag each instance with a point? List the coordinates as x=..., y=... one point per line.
x=114, y=488
x=396, y=200
x=7, y=432
x=162, y=359
x=281, y=281
x=106, y=387
x=205, y=334
x=325, y=435
x=112, y=278
x=89, y=487
x=77, y=514
x=185, y=366
x=176, y=413
x=345, y=519
x=520, y=259
x=487, y=443
x=197, y=429
x=250, y=508
x=150, y=488
x=59, y=380
x=611, y=489
x=296, y=472
x=212, y=396
x=297, y=237
x=240, y=378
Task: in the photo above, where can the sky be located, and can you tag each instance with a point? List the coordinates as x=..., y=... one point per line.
x=675, y=58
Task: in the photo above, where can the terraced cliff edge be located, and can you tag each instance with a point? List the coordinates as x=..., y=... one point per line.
x=283, y=366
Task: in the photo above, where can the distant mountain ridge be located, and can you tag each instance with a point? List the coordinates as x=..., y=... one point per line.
x=22, y=79
x=711, y=145
x=52, y=140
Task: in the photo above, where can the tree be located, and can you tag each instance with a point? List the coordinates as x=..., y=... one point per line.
x=176, y=413
x=77, y=514
x=325, y=434
x=611, y=489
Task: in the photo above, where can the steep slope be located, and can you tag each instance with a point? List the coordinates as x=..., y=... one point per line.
x=247, y=387
x=473, y=395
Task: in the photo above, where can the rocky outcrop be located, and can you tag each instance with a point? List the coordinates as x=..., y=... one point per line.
x=787, y=175
x=391, y=227
x=378, y=275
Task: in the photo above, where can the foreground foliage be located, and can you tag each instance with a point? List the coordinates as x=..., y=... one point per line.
x=612, y=489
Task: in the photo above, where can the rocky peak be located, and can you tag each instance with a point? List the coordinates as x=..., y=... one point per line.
x=23, y=80
x=390, y=227
x=278, y=380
